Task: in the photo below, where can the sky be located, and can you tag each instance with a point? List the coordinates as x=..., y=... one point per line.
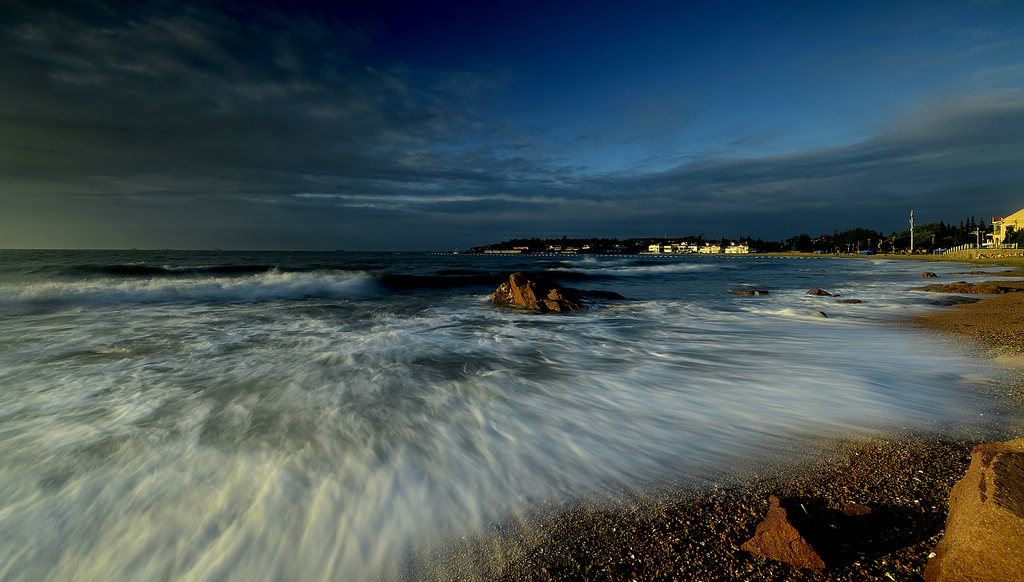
x=398, y=125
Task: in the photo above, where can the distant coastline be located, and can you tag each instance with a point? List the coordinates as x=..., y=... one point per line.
x=924, y=239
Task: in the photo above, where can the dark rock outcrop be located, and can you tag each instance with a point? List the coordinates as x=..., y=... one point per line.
x=965, y=288
x=538, y=294
x=777, y=539
x=928, y=274
x=818, y=292
x=598, y=294
x=984, y=536
x=850, y=301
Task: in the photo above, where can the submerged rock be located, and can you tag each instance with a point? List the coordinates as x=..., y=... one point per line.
x=928, y=274
x=984, y=536
x=850, y=301
x=776, y=538
x=538, y=294
x=748, y=292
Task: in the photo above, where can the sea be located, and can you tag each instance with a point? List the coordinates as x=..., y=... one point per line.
x=169, y=415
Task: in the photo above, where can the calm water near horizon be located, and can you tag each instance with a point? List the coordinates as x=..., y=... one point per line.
x=267, y=416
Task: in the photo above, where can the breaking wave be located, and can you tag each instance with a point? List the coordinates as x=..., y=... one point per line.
x=272, y=285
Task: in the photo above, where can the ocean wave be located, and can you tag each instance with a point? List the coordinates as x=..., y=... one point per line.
x=272, y=285
x=441, y=280
x=143, y=269
x=638, y=269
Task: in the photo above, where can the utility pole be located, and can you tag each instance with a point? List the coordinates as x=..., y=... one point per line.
x=911, y=232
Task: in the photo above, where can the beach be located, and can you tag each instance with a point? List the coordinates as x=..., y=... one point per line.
x=904, y=479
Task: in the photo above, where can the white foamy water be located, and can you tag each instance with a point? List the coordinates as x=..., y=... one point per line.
x=320, y=418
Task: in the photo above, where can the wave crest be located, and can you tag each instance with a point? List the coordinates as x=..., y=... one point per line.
x=271, y=285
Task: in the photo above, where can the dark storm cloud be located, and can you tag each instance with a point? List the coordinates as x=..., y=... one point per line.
x=260, y=99
x=165, y=102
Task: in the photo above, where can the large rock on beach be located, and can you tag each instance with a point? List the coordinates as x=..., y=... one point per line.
x=537, y=294
x=984, y=536
x=965, y=288
x=777, y=539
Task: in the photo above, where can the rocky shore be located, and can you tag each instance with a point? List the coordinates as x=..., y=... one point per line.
x=899, y=487
x=996, y=323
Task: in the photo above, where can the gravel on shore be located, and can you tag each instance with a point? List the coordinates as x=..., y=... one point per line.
x=697, y=535
x=684, y=534
x=997, y=321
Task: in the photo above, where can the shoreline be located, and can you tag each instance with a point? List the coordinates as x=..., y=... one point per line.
x=681, y=534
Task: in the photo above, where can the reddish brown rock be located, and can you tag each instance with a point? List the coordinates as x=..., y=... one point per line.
x=965, y=288
x=984, y=536
x=819, y=292
x=537, y=295
x=776, y=538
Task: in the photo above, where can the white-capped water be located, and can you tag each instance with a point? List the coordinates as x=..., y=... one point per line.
x=318, y=418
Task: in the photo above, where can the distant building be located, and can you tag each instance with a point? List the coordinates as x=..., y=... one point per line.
x=1003, y=227
x=672, y=248
x=737, y=249
x=710, y=249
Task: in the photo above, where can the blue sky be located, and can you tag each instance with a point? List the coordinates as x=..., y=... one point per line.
x=414, y=125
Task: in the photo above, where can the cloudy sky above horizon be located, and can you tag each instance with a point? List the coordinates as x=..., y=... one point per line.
x=438, y=125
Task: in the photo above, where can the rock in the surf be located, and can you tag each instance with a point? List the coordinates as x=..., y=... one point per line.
x=537, y=294
x=818, y=292
x=928, y=275
x=984, y=533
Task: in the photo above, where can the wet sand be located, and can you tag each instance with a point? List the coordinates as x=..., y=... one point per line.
x=677, y=534
x=995, y=322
